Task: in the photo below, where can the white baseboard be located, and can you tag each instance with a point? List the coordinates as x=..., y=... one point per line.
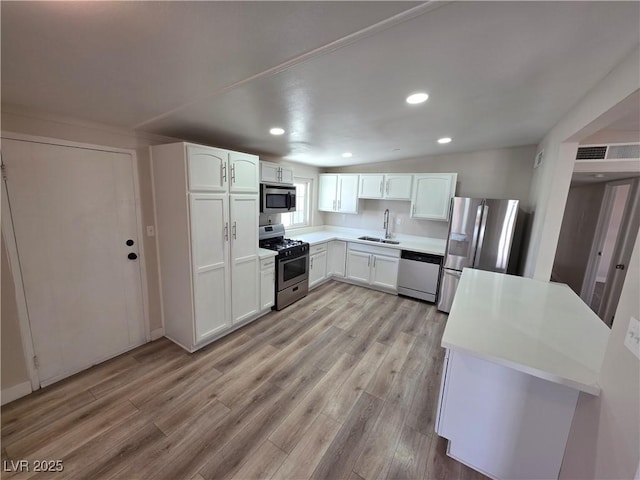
x=157, y=333
x=13, y=393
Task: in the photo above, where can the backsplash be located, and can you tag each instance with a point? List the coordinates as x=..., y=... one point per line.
x=371, y=216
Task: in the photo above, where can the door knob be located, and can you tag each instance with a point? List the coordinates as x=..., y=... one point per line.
x=129, y=242
x=132, y=256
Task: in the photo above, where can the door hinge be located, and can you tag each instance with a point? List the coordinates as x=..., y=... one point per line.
x=3, y=168
x=36, y=362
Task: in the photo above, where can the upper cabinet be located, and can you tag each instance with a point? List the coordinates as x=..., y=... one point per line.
x=275, y=174
x=386, y=186
x=397, y=187
x=432, y=194
x=216, y=170
x=207, y=168
x=338, y=193
x=244, y=173
x=371, y=186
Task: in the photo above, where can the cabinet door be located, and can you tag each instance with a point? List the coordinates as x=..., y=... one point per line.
x=327, y=193
x=244, y=256
x=371, y=186
x=384, y=272
x=398, y=187
x=432, y=195
x=317, y=268
x=337, y=258
x=267, y=288
x=269, y=172
x=210, y=257
x=243, y=173
x=207, y=169
x=348, y=194
x=286, y=175
x=358, y=266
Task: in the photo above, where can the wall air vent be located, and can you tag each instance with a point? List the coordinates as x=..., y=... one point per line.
x=591, y=153
x=623, y=151
x=616, y=151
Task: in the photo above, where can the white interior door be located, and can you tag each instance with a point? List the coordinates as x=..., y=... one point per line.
x=73, y=211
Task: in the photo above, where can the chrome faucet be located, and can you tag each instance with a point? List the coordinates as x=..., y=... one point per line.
x=387, y=234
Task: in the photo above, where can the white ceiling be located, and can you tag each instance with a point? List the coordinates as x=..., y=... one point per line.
x=333, y=74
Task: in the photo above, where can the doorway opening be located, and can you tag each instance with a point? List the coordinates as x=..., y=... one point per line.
x=599, y=227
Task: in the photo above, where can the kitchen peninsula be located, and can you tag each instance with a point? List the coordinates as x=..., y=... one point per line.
x=518, y=352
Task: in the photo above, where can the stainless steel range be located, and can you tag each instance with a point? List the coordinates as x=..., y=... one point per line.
x=292, y=264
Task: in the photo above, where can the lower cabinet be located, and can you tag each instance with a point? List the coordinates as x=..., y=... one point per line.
x=374, y=266
x=337, y=258
x=317, y=264
x=267, y=283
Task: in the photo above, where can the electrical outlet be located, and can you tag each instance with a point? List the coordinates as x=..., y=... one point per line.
x=398, y=221
x=151, y=231
x=632, y=339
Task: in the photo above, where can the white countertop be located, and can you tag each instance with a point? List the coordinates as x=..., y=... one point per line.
x=266, y=253
x=540, y=328
x=434, y=246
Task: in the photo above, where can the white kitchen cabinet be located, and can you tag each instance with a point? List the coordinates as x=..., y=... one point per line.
x=275, y=174
x=317, y=264
x=207, y=168
x=386, y=186
x=327, y=193
x=397, y=187
x=432, y=194
x=373, y=266
x=243, y=173
x=244, y=210
x=359, y=266
x=336, y=258
x=211, y=272
x=338, y=193
x=207, y=242
x=384, y=272
x=371, y=186
x=267, y=283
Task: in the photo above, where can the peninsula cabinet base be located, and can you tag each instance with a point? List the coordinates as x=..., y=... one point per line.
x=501, y=422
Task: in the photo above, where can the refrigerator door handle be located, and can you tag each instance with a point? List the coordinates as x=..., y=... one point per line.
x=476, y=234
x=483, y=225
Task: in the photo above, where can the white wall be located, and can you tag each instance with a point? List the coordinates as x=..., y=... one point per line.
x=604, y=441
x=551, y=180
x=500, y=173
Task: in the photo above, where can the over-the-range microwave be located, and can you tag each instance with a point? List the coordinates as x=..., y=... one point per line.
x=277, y=198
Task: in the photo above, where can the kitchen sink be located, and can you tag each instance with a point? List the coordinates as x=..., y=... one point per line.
x=379, y=240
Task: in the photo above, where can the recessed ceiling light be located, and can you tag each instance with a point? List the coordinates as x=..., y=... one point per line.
x=444, y=140
x=415, y=98
x=598, y=175
x=347, y=155
x=276, y=131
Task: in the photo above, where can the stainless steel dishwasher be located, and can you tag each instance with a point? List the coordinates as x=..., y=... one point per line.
x=418, y=275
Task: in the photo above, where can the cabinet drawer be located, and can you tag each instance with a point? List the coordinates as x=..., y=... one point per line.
x=361, y=247
x=322, y=247
x=268, y=263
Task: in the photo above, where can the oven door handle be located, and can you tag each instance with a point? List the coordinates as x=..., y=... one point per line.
x=289, y=260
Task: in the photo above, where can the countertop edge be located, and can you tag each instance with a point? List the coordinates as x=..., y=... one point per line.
x=338, y=236
x=592, y=389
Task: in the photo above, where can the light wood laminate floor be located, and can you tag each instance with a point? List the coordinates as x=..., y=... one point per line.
x=342, y=384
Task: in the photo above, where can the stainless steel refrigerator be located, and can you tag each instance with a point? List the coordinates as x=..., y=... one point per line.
x=481, y=235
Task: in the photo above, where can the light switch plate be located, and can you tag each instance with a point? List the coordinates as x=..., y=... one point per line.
x=151, y=231
x=632, y=339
